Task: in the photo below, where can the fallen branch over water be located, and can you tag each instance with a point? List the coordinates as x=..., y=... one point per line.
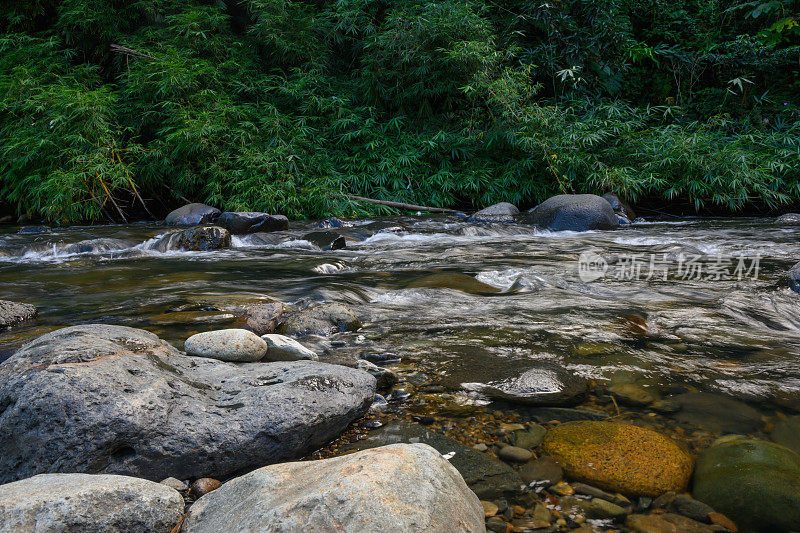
x=400, y=205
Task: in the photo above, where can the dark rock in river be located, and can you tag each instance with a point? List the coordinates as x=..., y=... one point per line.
x=715, y=412
x=620, y=207
x=263, y=318
x=574, y=212
x=486, y=476
x=788, y=218
x=324, y=320
x=33, y=230
x=251, y=222
x=192, y=215
x=453, y=280
x=325, y=240
x=113, y=399
x=502, y=212
x=13, y=313
x=794, y=277
x=753, y=482
x=406, y=488
x=88, y=503
x=543, y=385
x=331, y=222
x=95, y=246
x=200, y=239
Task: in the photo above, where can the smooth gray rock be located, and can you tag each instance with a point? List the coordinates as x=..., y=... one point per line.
x=540, y=386
x=13, y=313
x=574, y=212
x=324, y=319
x=241, y=222
x=714, y=412
x=514, y=454
x=113, y=399
x=88, y=503
x=234, y=345
x=485, y=475
x=282, y=348
x=385, y=377
x=502, y=212
x=192, y=215
x=402, y=488
x=199, y=239
x=176, y=484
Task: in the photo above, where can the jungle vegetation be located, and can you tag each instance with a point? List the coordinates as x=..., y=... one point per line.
x=107, y=106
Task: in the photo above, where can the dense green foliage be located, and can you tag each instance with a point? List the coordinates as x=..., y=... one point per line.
x=281, y=105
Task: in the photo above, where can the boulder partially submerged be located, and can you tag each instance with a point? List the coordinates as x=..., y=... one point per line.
x=192, y=215
x=574, y=212
x=402, y=488
x=13, y=313
x=114, y=399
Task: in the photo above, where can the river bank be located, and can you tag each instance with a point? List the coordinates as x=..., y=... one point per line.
x=496, y=340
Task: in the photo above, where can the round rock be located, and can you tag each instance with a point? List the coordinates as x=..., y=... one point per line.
x=619, y=457
x=546, y=385
x=514, y=454
x=282, y=348
x=234, y=345
x=13, y=313
x=88, y=503
x=324, y=319
x=574, y=212
x=192, y=215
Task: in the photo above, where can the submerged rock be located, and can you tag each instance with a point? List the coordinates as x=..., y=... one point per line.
x=755, y=483
x=541, y=386
x=787, y=433
x=89, y=504
x=200, y=239
x=393, y=489
x=113, y=399
x=485, y=475
x=453, y=280
x=241, y=222
x=574, y=212
x=192, y=215
x=665, y=523
x=326, y=240
x=283, y=348
x=34, y=230
x=234, y=345
x=384, y=377
x=715, y=412
x=324, y=319
x=263, y=319
x=502, y=212
x=94, y=246
x=619, y=457
x=14, y=313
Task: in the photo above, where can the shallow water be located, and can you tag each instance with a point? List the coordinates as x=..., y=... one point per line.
x=523, y=301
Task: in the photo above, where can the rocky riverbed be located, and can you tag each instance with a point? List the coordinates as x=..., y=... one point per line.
x=234, y=372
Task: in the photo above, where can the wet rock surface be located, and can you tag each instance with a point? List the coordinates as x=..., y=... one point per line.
x=573, y=212
x=326, y=240
x=399, y=488
x=716, y=412
x=325, y=319
x=113, y=399
x=502, y=212
x=283, y=348
x=89, y=504
x=264, y=318
x=192, y=215
x=14, y=313
x=241, y=222
x=200, y=239
x=545, y=385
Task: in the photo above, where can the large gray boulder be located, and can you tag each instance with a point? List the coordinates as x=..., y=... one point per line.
x=240, y=222
x=402, y=488
x=113, y=399
x=13, y=313
x=88, y=503
x=192, y=215
x=574, y=212
x=200, y=239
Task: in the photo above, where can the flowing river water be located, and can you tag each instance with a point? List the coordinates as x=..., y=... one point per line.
x=461, y=303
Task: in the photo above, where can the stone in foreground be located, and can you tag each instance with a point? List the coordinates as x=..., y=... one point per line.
x=574, y=212
x=234, y=345
x=13, y=313
x=192, y=215
x=282, y=348
x=402, y=488
x=119, y=400
x=619, y=457
x=753, y=482
x=88, y=503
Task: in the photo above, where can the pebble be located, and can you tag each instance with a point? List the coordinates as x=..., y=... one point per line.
x=514, y=454
x=495, y=525
x=562, y=488
x=176, y=484
x=489, y=509
x=633, y=395
x=203, y=486
x=480, y=447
